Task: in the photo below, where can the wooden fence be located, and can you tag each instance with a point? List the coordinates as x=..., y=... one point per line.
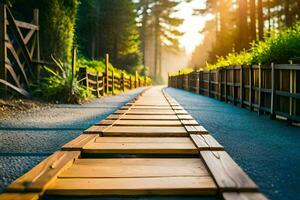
x=108, y=82
x=273, y=89
x=19, y=50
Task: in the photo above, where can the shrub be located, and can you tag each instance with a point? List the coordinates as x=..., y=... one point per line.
x=61, y=85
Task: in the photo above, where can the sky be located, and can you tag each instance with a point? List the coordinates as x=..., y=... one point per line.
x=192, y=24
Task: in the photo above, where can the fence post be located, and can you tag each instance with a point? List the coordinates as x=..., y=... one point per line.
x=225, y=84
x=37, y=43
x=130, y=81
x=73, y=68
x=250, y=87
x=106, y=72
x=220, y=83
x=272, y=110
x=233, y=84
x=291, y=92
x=209, y=83
x=135, y=79
x=241, y=86
x=197, y=83
x=97, y=85
x=123, y=81
x=259, y=88
x=112, y=82
x=3, y=53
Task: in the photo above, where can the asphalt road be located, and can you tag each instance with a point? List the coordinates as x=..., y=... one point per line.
x=268, y=150
x=27, y=139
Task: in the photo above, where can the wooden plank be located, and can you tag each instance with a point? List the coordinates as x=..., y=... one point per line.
x=189, y=122
x=42, y=174
x=136, y=129
x=196, y=129
x=183, y=117
x=146, y=117
x=79, y=142
x=227, y=174
x=136, y=168
x=142, y=122
x=206, y=142
x=181, y=112
x=19, y=196
x=134, y=186
x=141, y=145
x=243, y=196
x=146, y=112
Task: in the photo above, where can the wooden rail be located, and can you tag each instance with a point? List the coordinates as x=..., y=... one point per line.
x=96, y=83
x=151, y=146
x=19, y=47
x=273, y=89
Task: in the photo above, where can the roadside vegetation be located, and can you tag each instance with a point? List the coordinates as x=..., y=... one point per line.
x=278, y=47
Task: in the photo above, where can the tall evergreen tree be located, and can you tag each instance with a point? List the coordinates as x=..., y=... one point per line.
x=109, y=26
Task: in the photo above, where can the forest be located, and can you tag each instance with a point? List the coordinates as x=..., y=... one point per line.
x=267, y=29
x=137, y=33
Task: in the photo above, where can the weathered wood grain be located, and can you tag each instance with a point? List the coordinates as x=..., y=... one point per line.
x=189, y=122
x=196, y=129
x=142, y=122
x=243, y=196
x=227, y=174
x=206, y=142
x=41, y=175
x=19, y=196
x=141, y=145
x=79, y=142
x=136, y=167
x=134, y=186
x=144, y=117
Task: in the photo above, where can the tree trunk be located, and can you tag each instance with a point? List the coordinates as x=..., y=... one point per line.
x=243, y=25
x=260, y=19
x=252, y=20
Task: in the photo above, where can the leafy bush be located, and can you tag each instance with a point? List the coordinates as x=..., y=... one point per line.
x=61, y=85
x=278, y=47
x=96, y=66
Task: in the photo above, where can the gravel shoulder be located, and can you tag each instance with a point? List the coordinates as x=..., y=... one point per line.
x=31, y=131
x=268, y=150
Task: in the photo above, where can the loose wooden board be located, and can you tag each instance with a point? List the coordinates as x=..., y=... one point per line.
x=142, y=122
x=243, y=196
x=41, y=175
x=206, y=142
x=141, y=145
x=227, y=174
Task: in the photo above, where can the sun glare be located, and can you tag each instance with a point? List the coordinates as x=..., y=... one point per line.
x=192, y=24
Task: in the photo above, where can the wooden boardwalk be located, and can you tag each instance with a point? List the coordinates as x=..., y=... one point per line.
x=151, y=146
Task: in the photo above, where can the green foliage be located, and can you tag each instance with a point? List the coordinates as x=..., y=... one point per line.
x=57, y=22
x=232, y=59
x=108, y=26
x=96, y=66
x=279, y=48
x=60, y=85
